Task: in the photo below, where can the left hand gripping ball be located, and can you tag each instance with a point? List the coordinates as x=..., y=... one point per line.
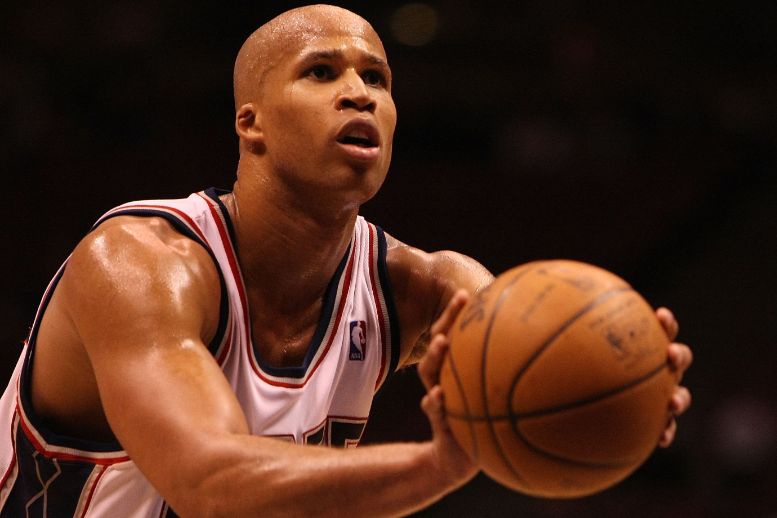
x=557, y=379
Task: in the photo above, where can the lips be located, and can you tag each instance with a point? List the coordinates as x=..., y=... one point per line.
x=359, y=140
x=360, y=133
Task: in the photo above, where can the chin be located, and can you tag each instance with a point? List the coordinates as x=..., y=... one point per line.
x=370, y=183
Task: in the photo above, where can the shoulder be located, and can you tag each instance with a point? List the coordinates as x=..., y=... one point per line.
x=423, y=282
x=140, y=233
x=140, y=266
x=126, y=247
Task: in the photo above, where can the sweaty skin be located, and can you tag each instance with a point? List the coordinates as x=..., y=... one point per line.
x=139, y=301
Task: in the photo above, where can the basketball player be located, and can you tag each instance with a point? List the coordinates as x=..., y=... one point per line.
x=188, y=349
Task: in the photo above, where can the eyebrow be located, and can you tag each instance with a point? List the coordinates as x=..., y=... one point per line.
x=318, y=55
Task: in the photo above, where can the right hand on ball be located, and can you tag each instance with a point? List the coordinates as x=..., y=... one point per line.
x=452, y=461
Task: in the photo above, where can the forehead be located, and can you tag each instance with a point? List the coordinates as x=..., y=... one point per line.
x=283, y=41
x=305, y=35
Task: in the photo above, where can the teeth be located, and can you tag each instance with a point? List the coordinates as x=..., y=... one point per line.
x=356, y=141
x=359, y=136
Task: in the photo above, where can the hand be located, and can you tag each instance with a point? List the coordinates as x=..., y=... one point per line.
x=452, y=461
x=680, y=358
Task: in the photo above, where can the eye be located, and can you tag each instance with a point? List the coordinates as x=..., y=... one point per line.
x=321, y=72
x=374, y=78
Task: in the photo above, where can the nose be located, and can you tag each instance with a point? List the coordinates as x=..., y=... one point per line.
x=355, y=94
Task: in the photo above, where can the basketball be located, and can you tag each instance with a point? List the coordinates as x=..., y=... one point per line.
x=556, y=380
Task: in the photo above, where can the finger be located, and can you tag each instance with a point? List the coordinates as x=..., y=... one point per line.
x=680, y=401
x=432, y=405
x=668, y=322
x=445, y=321
x=680, y=358
x=667, y=437
x=431, y=363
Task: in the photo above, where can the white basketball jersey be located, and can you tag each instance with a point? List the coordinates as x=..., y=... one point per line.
x=326, y=400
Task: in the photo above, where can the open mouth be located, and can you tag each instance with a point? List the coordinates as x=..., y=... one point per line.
x=357, y=141
x=359, y=134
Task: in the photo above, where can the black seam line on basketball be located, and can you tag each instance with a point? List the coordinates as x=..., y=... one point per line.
x=486, y=339
x=463, y=395
x=566, y=406
x=576, y=462
x=602, y=297
x=591, y=399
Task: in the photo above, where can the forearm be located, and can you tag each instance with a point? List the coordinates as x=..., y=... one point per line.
x=290, y=480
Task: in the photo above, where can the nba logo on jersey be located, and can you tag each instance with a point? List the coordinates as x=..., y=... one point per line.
x=358, y=340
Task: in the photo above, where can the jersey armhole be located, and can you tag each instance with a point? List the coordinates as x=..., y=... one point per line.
x=387, y=298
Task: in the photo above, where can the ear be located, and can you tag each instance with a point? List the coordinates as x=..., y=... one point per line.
x=248, y=125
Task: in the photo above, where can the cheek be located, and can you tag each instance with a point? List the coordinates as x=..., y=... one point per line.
x=388, y=119
x=296, y=116
x=306, y=106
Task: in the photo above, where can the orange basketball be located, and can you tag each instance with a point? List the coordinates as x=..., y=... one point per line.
x=557, y=379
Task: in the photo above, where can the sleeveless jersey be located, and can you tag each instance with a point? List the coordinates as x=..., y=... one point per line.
x=326, y=400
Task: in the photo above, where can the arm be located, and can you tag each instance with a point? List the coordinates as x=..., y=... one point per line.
x=144, y=303
x=423, y=284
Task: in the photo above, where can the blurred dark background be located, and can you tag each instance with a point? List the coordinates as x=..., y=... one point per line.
x=637, y=136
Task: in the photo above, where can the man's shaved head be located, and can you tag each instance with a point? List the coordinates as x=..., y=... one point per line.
x=286, y=33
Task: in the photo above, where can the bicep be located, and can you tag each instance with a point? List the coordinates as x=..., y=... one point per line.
x=424, y=284
x=142, y=310
x=451, y=272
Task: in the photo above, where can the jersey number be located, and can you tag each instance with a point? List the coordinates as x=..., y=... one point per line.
x=341, y=432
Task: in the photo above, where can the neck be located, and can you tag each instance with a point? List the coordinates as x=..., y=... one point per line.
x=288, y=247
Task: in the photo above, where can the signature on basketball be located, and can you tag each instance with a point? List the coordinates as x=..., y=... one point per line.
x=628, y=340
x=536, y=302
x=628, y=337
x=581, y=282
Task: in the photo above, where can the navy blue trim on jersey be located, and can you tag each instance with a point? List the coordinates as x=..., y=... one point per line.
x=25, y=382
x=181, y=227
x=299, y=372
x=64, y=479
x=388, y=297
x=214, y=194
x=25, y=390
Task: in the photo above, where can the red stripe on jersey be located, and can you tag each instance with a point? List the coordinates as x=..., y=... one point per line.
x=180, y=214
x=233, y=264
x=314, y=429
x=330, y=341
x=340, y=308
x=225, y=347
x=225, y=239
x=92, y=490
x=12, y=465
x=379, y=301
x=59, y=455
